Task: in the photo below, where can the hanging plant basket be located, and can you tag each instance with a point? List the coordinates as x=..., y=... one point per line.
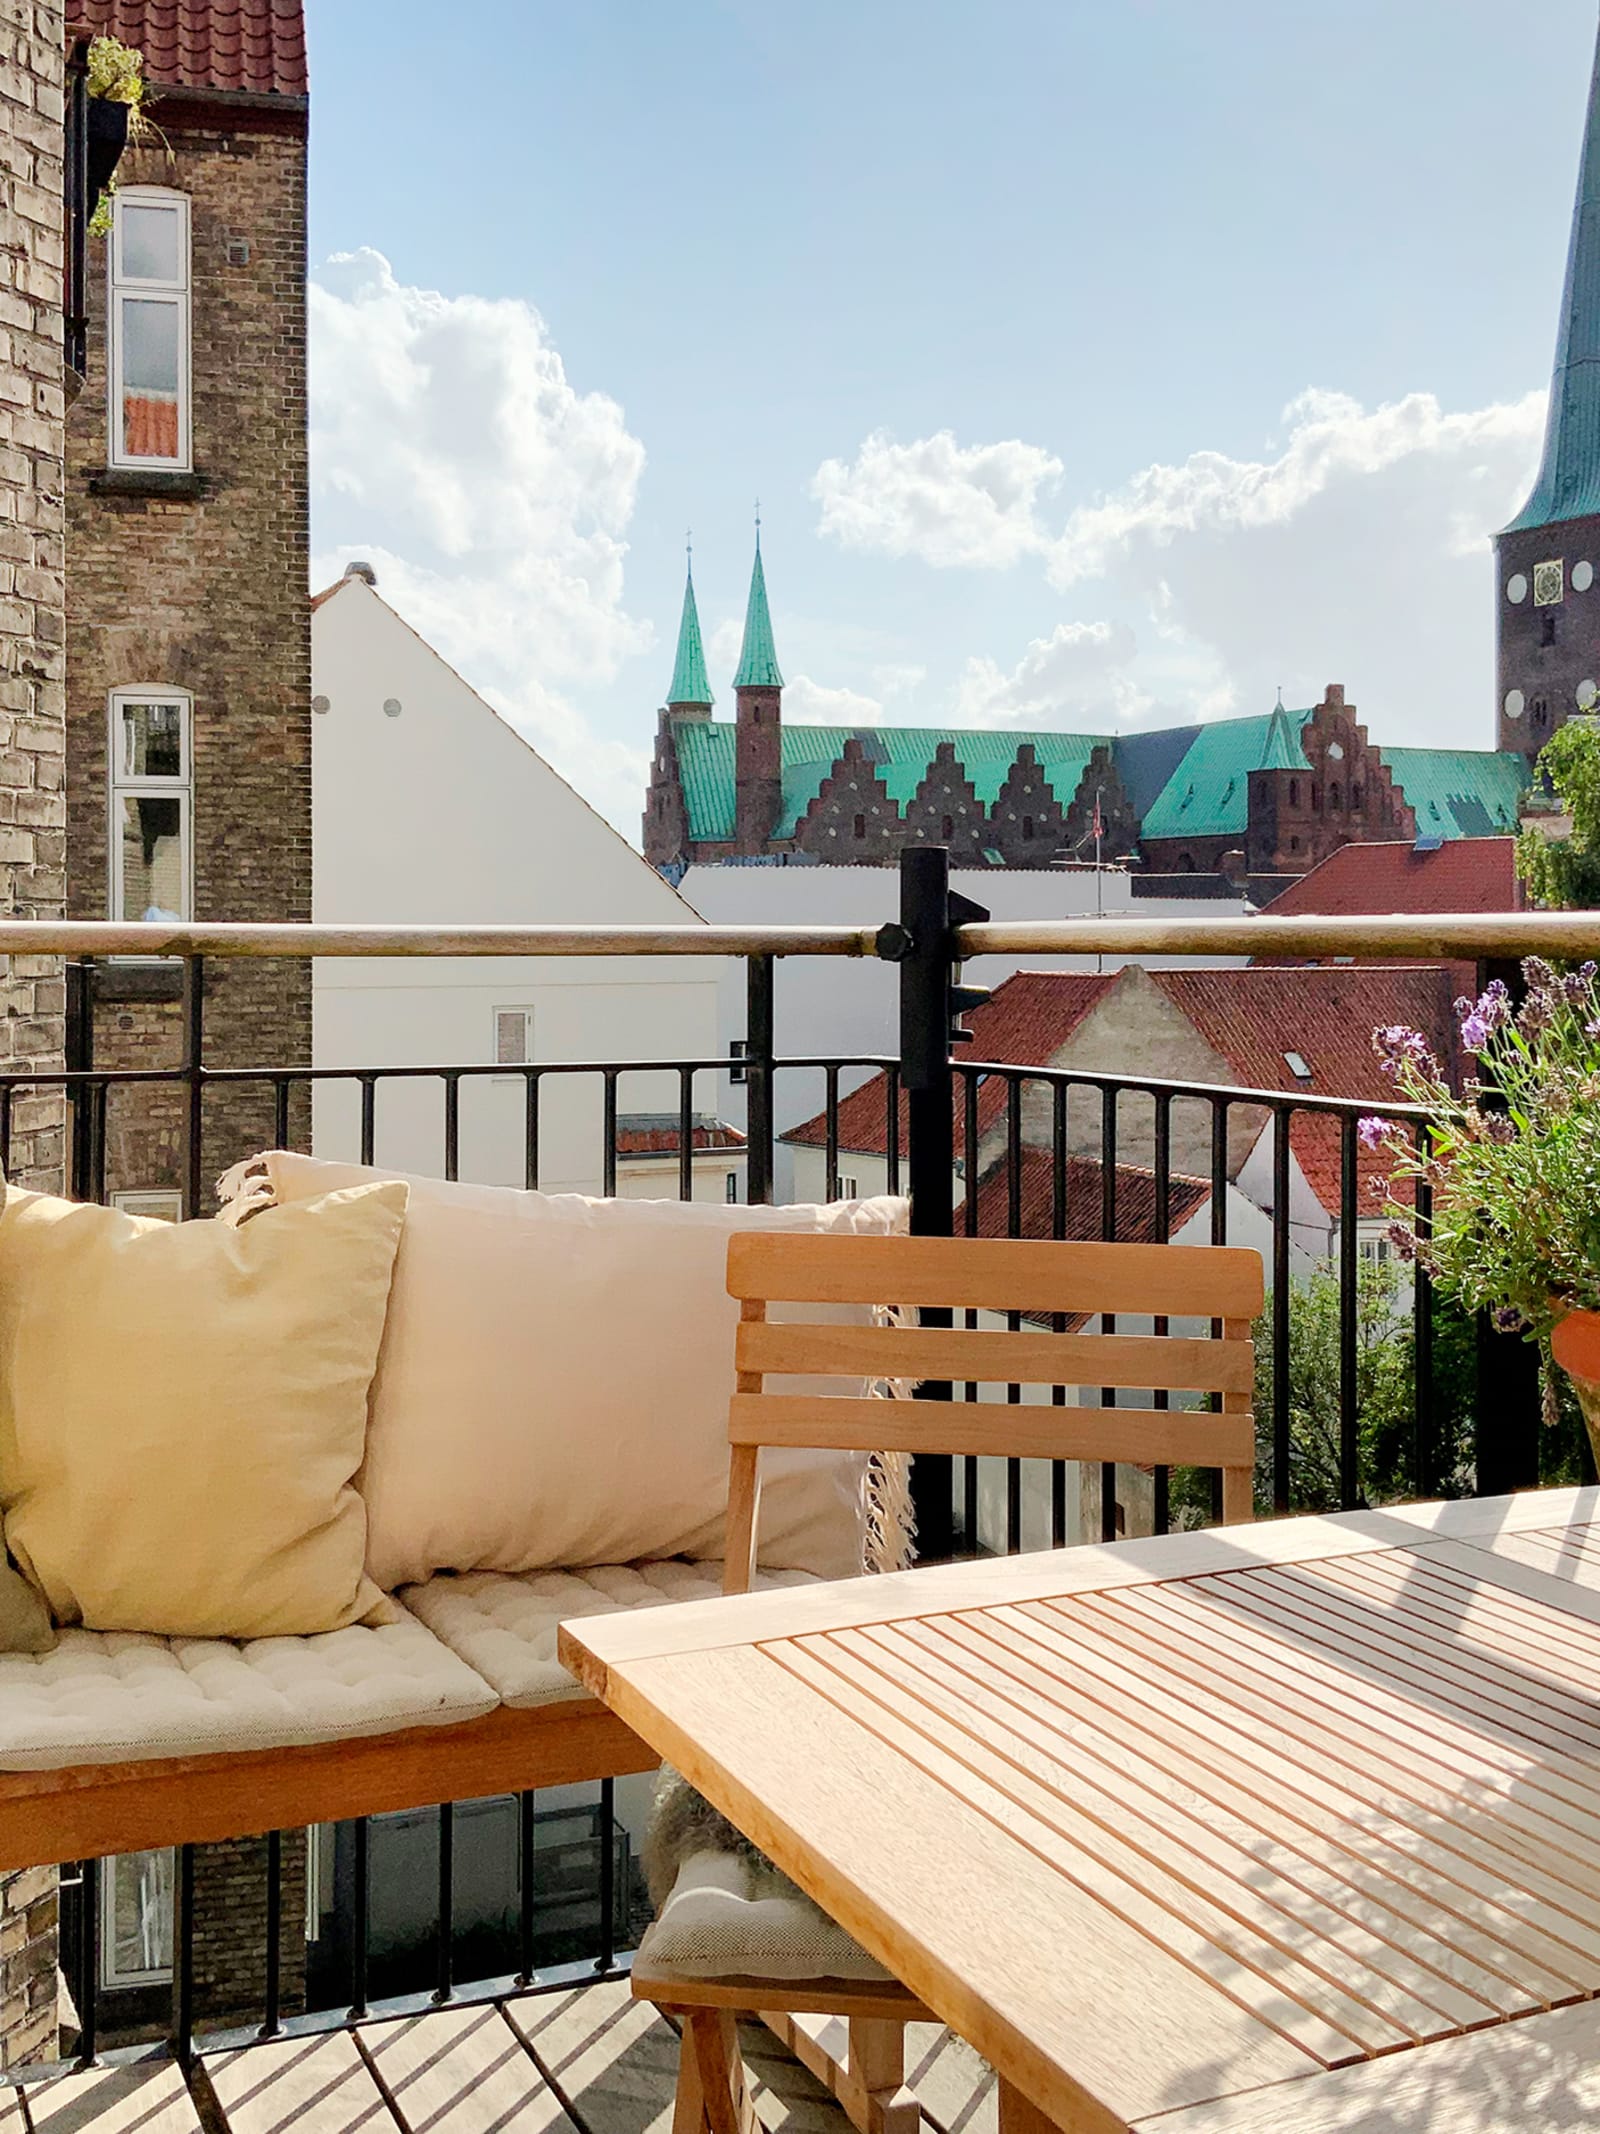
x=108, y=137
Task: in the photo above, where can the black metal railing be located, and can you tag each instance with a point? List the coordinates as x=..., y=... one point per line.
x=966, y=1161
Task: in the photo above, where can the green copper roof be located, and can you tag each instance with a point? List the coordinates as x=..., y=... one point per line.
x=689, y=683
x=1459, y=792
x=758, y=658
x=901, y=756
x=1208, y=794
x=1568, y=482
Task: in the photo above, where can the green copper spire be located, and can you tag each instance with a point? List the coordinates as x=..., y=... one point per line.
x=1568, y=484
x=758, y=659
x=689, y=683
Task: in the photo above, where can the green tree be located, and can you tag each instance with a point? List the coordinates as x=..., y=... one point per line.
x=1564, y=873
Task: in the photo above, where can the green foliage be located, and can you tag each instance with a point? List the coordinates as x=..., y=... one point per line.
x=1513, y=1163
x=1564, y=873
x=116, y=75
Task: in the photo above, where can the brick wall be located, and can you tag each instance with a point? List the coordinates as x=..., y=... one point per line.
x=205, y=591
x=32, y=711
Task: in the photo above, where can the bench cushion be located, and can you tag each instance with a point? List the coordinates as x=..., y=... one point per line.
x=730, y=1916
x=505, y=1626
x=117, y=1697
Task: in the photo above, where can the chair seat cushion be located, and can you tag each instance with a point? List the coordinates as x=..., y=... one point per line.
x=731, y=1916
x=504, y=1625
x=118, y=1697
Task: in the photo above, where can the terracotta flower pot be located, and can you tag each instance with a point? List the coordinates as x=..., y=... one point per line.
x=1575, y=1345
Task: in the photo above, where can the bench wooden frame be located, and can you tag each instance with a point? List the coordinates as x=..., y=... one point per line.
x=1213, y=1283
x=91, y=1810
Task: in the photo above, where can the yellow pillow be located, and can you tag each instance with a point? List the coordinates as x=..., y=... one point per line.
x=183, y=1407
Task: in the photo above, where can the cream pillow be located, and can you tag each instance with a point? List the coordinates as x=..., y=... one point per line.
x=553, y=1385
x=183, y=1409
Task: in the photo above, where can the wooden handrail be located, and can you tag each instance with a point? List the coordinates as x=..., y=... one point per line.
x=1469, y=935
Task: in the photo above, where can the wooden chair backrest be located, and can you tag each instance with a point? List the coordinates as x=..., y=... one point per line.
x=1216, y=1283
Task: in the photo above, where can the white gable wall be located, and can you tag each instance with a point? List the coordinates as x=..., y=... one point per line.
x=442, y=814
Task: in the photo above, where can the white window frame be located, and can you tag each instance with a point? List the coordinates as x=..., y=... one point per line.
x=178, y=293
x=121, y=785
x=525, y=1010
x=144, y=1200
x=111, y=1977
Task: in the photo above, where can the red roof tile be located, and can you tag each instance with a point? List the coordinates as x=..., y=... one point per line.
x=1465, y=874
x=1135, y=1209
x=257, y=46
x=649, y=1136
x=1028, y=1019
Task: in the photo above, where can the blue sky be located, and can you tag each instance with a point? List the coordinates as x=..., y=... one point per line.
x=1096, y=365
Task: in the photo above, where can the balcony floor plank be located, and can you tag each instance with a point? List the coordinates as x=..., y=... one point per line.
x=316, y=2085
x=149, y=2098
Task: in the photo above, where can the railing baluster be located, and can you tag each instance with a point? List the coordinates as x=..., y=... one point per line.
x=194, y=1011
x=369, y=1117
x=444, y=1953
x=1161, y=1510
x=452, y=1127
x=1058, y=1229
x=758, y=1033
x=608, y=1877
x=100, y=1098
x=1425, y=1463
x=892, y=1095
x=830, y=1134
x=5, y=1128
x=525, y=1885
x=182, y=2040
x=1219, y=1236
x=88, y=1968
x=530, y=1132
x=360, y=1916
x=280, y=1110
x=1282, y=1479
x=1349, y=1409
x=1108, y=1320
x=686, y=1133
x=271, y=2023
x=1013, y=1319
x=608, y=1129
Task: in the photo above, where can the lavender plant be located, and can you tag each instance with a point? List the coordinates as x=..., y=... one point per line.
x=1514, y=1160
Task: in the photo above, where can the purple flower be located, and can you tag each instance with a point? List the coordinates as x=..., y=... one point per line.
x=1497, y=1127
x=1475, y=1033
x=1370, y=1132
x=1507, y=1319
x=1576, y=985
x=1404, y=1240
x=1541, y=978
x=1535, y=1013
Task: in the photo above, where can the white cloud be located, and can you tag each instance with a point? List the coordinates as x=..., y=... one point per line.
x=809, y=703
x=449, y=448
x=949, y=504
x=1354, y=549
x=1077, y=676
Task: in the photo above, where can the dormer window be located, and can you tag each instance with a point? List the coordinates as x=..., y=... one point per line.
x=148, y=420
x=1298, y=1066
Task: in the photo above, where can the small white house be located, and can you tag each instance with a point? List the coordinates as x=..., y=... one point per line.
x=429, y=808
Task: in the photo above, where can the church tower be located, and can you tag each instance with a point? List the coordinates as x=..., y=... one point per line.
x=689, y=696
x=1547, y=601
x=758, y=745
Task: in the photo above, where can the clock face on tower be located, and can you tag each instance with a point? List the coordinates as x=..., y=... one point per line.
x=1547, y=584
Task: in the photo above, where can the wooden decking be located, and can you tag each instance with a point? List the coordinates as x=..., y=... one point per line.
x=591, y=2061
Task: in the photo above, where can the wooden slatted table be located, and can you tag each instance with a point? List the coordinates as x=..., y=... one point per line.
x=1188, y=1835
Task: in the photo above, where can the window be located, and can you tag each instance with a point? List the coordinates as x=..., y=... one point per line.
x=136, y=1919
x=861, y=826
x=1316, y=798
x=1297, y=1066
x=1373, y=1245
x=513, y=1038
x=1334, y=800
x=847, y=1188
x=151, y=832
x=738, y=1051
x=949, y=829
x=149, y=313
x=730, y=1189
x=164, y=1203
x=1294, y=792
x=1027, y=826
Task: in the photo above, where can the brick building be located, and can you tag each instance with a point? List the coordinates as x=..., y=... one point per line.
x=188, y=627
x=1266, y=796
x=32, y=733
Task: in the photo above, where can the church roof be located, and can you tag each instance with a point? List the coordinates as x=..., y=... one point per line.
x=1568, y=482
x=1208, y=794
x=689, y=682
x=1459, y=792
x=758, y=658
x=901, y=756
